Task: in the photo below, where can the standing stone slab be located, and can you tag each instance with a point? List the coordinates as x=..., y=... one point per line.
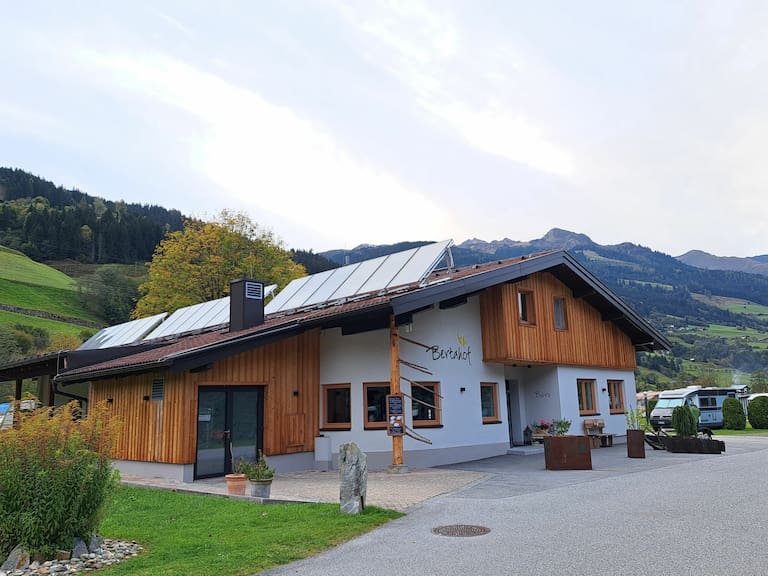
x=79, y=549
x=18, y=559
x=353, y=475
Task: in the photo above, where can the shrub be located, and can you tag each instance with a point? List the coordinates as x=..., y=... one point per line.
x=55, y=478
x=683, y=421
x=757, y=411
x=733, y=415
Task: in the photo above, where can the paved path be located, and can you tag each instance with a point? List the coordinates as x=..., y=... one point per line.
x=680, y=514
x=393, y=491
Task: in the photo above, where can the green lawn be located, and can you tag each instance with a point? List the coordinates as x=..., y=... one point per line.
x=747, y=431
x=199, y=535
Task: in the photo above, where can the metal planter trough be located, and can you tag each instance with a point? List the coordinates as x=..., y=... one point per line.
x=567, y=453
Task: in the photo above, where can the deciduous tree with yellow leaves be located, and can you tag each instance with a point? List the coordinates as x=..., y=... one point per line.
x=197, y=264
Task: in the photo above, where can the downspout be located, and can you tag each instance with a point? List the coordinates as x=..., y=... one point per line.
x=57, y=390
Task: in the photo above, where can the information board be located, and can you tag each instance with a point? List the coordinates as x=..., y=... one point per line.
x=395, y=414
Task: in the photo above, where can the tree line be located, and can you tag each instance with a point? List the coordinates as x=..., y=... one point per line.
x=48, y=222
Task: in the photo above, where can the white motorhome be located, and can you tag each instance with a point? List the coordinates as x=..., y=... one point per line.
x=709, y=400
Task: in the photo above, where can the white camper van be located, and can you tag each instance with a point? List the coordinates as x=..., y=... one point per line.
x=709, y=401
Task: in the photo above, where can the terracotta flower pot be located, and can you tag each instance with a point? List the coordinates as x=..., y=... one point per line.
x=236, y=484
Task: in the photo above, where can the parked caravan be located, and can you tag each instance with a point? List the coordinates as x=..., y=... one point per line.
x=709, y=400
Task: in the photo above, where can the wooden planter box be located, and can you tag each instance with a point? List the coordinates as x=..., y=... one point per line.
x=567, y=453
x=689, y=445
x=635, y=443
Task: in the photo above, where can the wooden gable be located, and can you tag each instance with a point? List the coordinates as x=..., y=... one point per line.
x=587, y=340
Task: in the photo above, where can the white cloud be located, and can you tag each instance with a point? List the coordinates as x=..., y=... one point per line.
x=270, y=159
x=423, y=49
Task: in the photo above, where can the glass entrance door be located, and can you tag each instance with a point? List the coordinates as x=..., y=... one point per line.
x=230, y=424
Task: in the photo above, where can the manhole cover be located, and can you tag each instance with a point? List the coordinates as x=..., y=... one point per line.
x=462, y=530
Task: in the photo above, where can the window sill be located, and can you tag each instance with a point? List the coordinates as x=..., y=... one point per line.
x=427, y=425
x=375, y=427
x=340, y=429
x=617, y=412
x=492, y=422
x=589, y=413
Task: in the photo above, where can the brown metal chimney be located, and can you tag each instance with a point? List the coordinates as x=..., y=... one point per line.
x=246, y=304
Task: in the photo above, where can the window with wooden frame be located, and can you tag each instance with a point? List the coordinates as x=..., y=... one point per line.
x=425, y=404
x=375, y=404
x=489, y=402
x=337, y=413
x=587, y=397
x=616, y=396
x=561, y=320
x=526, y=311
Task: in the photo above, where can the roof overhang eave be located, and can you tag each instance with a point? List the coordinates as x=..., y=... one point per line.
x=108, y=372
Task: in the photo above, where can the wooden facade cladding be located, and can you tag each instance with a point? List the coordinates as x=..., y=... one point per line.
x=588, y=340
x=166, y=430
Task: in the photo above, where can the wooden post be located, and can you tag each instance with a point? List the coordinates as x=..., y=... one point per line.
x=18, y=389
x=398, y=466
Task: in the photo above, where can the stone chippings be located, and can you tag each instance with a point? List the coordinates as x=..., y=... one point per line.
x=109, y=553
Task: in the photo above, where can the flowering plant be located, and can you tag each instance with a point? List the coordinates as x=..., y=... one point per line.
x=562, y=427
x=543, y=424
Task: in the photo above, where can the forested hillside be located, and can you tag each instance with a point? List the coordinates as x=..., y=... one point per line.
x=48, y=222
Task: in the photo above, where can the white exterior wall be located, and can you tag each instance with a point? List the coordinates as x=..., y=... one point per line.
x=364, y=357
x=614, y=423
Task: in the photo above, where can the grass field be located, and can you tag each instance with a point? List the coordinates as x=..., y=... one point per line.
x=59, y=301
x=25, y=283
x=199, y=535
x=735, y=305
x=53, y=327
x=754, y=338
x=15, y=266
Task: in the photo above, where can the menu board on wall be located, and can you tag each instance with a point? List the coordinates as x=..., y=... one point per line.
x=395, y=414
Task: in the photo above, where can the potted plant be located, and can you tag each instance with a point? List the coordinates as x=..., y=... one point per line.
x=542, y=426
x=635, y=433
x=236, y=482
x=564, y=452
x=562, y=427
x=685, y=423
x=259, y=475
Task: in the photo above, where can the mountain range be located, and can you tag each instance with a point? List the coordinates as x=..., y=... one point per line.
x=712, y=315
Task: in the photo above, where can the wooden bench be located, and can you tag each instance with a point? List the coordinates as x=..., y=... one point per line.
x=539, y=435
x=593, y=429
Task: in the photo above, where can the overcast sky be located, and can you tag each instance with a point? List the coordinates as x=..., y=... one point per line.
x=340, y=123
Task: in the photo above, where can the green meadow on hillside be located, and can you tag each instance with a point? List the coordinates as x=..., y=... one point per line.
x=25, y=283
x=53, y=327
x=19, y=268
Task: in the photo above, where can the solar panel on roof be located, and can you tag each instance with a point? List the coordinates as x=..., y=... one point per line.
x=193, y=318
x=122, y=334
x=382, y=273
